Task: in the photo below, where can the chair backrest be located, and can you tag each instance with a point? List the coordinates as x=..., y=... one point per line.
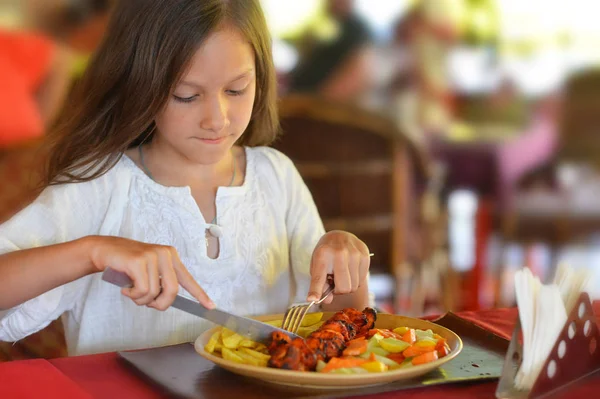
x=579, y=126
x=345, y=155
x=20, y=169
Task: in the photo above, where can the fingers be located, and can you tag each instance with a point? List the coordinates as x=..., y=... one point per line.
x=318, y=281
x=344, y=255
x=187, y=281
x=153, y=281
x=157, y=272
x=320, y=265
x=354, y=259
x=146, y=282
x=341, y=272
x=364, y=265
x=139, y=276
x=329, y=299
x=169, y=282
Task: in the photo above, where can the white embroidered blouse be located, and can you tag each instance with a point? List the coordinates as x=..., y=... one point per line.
x=270, y=227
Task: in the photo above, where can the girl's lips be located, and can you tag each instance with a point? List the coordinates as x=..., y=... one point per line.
x=212, y=141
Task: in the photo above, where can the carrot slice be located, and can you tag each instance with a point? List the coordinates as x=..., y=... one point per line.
x=442, y=350
x=416, y=350
x=356, y=348
x=412, y=351
x=356, y=340
x=410, y=336
x=342, y=362
x=425, y=358
x=397, y=357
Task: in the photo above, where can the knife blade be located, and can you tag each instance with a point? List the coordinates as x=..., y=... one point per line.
x=253, y=329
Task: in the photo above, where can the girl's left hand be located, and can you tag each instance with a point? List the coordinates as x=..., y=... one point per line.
x=343, y=255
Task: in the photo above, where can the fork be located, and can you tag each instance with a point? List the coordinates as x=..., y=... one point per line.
x=292, y=319
x=295, y=314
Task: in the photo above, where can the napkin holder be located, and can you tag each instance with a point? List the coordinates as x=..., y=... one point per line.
x=575, y=355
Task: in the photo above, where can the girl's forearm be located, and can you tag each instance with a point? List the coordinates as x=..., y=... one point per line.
x=28, y=273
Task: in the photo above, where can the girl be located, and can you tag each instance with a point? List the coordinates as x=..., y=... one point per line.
x=157, y=171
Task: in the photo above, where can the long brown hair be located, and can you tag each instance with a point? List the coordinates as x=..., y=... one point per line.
x=147, y=48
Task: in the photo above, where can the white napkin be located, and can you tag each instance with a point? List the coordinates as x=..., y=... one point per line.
x=543, y=311
x=572, y=283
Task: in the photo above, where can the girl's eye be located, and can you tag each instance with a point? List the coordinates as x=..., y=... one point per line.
x=184, y=99
x=236, y=92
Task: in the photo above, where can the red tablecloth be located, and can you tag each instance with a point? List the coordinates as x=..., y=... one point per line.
x=36, y=379
x=103, y=376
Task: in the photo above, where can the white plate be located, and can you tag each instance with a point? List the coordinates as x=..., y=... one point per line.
x=308, y=379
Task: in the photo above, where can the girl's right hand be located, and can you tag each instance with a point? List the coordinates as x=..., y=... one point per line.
x=156, y=271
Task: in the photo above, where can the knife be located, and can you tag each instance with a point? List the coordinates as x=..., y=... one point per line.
x=253, y=329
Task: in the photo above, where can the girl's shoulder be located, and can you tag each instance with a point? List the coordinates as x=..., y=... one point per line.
x=273, y=166
x=99, y=188
x=270, y=159
x=78, y=207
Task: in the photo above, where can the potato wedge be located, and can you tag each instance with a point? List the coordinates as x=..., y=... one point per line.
x=226, y=332
x=305, y=331
x=229, y=354
x=212, y=342
x=232, y=341
x=246, y=343
x=232, y=346
x=249, y=359
x=275, y=323
x=311, y=319
x=261, y=348
x=219, y=347
x=257, y=355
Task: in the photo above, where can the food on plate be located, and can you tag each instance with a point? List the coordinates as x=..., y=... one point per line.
x=328, y=341
x=346, y=343
x=234, y=347
x=387, y=350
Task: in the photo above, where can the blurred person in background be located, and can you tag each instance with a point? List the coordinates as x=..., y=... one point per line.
x=38, y=63
x=34, y=76
x=394, y=66
x=395, y=85
x=429, y=32
x=523, y=161
x=80, y=24
x=338, y=68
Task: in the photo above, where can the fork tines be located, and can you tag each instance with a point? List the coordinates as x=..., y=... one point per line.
x=294, y=316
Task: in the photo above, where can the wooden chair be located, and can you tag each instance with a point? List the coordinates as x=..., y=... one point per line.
x=361, y=172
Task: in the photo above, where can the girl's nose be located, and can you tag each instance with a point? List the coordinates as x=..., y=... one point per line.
x=214, y=116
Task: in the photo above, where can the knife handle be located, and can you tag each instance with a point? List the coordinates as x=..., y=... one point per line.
x=119, y=279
